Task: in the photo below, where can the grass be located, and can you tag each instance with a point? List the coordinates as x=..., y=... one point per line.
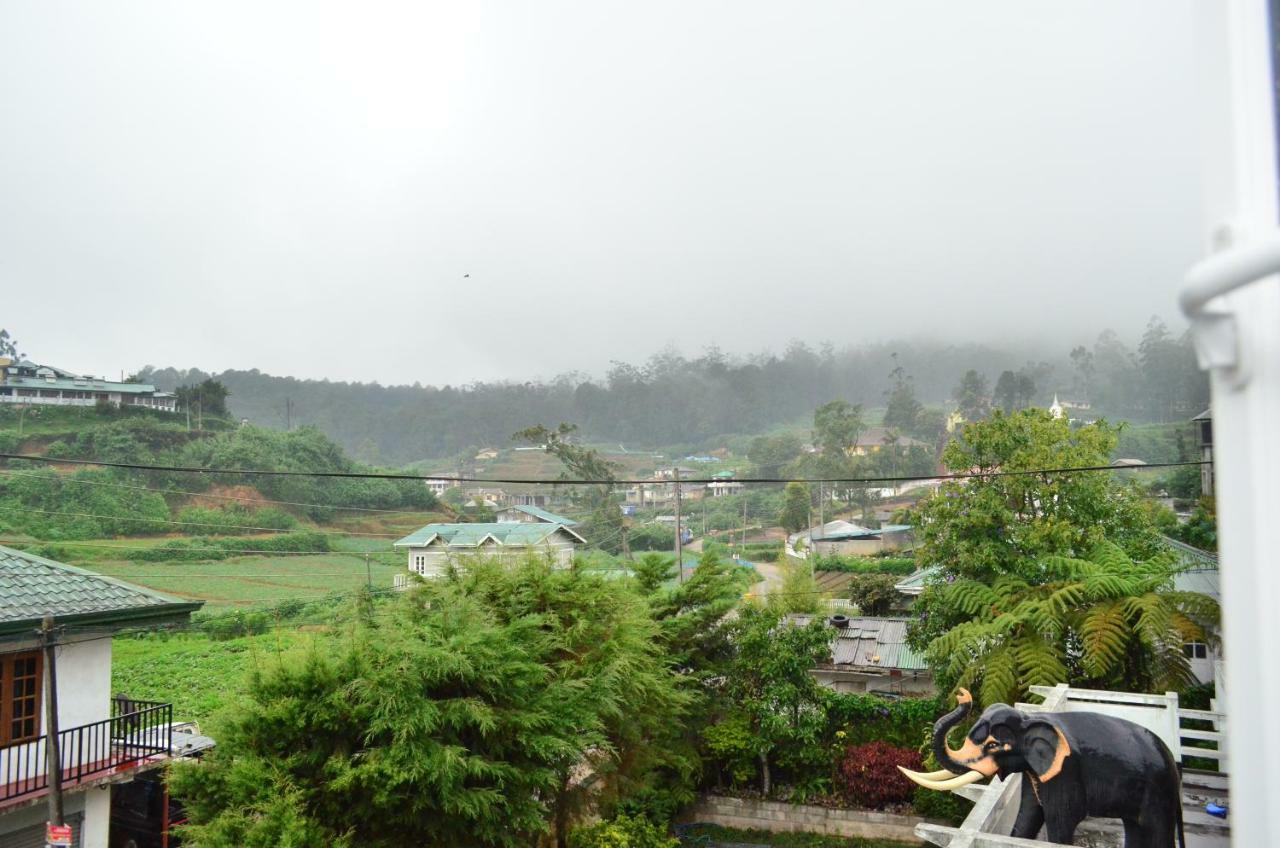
x=259, y=579
x=196, y=674
x=787, y=840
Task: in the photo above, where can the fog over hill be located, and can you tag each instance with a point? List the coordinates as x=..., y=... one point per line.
x=677, y=400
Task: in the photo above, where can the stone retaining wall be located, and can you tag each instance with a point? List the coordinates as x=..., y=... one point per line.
x=776, y=816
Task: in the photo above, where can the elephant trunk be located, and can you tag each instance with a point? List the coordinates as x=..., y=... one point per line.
x=944, y=755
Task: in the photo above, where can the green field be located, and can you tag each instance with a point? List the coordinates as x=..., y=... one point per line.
x=196, y=674
x=258, y=580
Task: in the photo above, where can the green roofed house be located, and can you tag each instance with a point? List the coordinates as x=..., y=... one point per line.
x=431, y=548
x=526, y=514
x=104, y=739
x=25, y=382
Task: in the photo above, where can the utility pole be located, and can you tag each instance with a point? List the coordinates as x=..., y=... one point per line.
x=679, y=535
x=822, y=510
x=368, y=572
x=53, y=757
x=187, y=405
x=288, y=414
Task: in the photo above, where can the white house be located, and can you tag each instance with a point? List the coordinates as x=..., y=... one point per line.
x=441, y=482
x=522, y=514
x=104, y=740
x=25, y=382
x=431, y=548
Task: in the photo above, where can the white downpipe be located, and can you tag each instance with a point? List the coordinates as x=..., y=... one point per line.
x=1235, y=309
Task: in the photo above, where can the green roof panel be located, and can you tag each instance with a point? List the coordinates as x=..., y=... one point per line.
x=32, y=587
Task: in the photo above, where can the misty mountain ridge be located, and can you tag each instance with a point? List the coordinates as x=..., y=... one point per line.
x=672, y=399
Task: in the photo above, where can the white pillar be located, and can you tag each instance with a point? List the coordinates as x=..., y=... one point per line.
x=1238, y=337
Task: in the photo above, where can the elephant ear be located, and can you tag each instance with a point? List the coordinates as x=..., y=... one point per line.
x=1044, y=748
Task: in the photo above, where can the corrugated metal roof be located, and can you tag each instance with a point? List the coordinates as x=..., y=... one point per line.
x=876, y=643
x=509, y=533
x=873, y=643
x=78, y=385
x=32, y=587
x=913, y=584
x=545, y=516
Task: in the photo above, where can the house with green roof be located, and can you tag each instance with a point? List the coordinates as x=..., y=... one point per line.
x=26, y=382
x=103, y=739
x=432, y=548
x=528, y=514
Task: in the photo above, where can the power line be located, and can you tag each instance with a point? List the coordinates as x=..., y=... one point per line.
x=245, y=498
x=378, y=475
x=231, y=552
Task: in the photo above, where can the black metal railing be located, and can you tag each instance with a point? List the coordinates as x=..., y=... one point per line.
x=136, y=731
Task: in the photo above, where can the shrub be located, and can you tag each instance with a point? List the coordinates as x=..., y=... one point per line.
x=944, y=806
x=621, y=832
x=864, y=565
x=873, y=594
x=868, y=774
x=236, y=520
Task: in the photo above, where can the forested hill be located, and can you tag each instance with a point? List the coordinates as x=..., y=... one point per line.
x=673, y=400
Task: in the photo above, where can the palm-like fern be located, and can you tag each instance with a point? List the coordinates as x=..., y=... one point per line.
x=1104, y=621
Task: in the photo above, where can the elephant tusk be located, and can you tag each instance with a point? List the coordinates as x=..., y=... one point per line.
x=943, y=785
x=935, y=775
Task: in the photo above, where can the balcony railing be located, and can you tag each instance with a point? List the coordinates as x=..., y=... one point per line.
x=136, y=732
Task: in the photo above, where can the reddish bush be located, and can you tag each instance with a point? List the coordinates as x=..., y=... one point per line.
x=868, y=774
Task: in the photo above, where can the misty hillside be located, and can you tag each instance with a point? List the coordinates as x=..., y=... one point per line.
x=674, y=400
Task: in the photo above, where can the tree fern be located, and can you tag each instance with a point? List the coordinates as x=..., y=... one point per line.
x=1118, y=622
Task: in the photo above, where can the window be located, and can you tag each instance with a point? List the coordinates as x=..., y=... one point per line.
x=420, y=562
x=1196, y=650
x=20, y=682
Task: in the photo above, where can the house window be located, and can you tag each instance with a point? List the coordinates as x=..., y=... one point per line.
x=419, y=562
x=1196, y=650
x=19, y=697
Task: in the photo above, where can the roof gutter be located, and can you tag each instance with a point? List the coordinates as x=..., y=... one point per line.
x=113, y=619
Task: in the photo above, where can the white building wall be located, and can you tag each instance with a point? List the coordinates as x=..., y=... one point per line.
x=432, y=561
x=84, y=697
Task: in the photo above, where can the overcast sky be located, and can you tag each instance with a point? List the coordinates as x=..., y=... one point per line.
x=302, y=187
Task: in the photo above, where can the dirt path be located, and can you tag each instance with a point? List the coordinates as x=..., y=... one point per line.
x=772, y=575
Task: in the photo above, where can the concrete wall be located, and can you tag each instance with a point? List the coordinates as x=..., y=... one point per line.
x=779, y=817
x=840, y=680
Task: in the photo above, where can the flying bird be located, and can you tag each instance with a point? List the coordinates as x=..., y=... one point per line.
x=464, y=276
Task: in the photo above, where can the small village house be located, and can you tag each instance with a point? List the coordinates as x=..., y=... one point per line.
x=874, y=439
x=104, y=740
x=25, y=382
x=441, y=482
x=432, y=548
x=870, y=654
x=722, y=484
x=846, y=539
x=522, y=514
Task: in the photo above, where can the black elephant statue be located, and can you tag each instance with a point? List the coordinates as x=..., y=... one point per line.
x=1074, y=765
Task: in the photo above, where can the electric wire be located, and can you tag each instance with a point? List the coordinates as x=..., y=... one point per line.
x=378, y=475
x=134, y=518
